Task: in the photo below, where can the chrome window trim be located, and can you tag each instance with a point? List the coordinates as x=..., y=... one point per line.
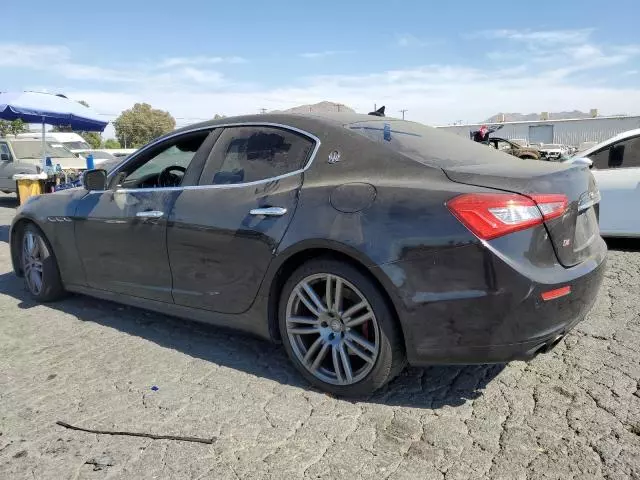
x=311, y=136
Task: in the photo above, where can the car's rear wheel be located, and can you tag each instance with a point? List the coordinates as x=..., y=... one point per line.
x=338, y=329
x=39, y=266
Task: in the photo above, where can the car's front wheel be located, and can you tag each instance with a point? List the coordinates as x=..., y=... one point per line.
x=338, y=329
x=39, y=266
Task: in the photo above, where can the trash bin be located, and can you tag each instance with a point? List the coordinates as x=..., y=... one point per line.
x=29, y=184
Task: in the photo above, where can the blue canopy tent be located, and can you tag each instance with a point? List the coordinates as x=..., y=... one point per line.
x=46, y=108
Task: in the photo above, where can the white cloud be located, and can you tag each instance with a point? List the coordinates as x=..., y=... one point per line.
x=408, y=40
x=559, y=53
x=198, y=61
x=168, y=73
x=325, y=53
x=434, y=95
x=31, y=56
x=549, y=37
x=528, y=75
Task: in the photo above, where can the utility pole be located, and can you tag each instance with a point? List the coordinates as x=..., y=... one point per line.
x=403, y=110
x=263, y=110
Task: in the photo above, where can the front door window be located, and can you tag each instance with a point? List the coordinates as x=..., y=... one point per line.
x=162, y=166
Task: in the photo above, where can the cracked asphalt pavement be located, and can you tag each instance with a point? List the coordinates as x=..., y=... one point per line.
x=571, y=413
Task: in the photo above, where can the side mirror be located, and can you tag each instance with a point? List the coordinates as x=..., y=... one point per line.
x=582, y=161
x=95, y=179
x=4, y=157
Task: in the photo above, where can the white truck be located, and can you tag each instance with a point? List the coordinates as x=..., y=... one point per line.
x=24, y=155
x=70, y=140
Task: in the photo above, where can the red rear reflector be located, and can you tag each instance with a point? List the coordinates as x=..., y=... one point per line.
x=557, y=293
x=492, y=215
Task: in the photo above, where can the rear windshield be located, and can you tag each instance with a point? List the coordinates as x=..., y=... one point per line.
x=429, y=145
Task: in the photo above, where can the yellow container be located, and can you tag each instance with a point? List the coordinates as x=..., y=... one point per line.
x=29, y=185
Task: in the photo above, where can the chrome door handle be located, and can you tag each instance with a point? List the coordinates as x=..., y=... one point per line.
x=150, y=214
x=269, y=211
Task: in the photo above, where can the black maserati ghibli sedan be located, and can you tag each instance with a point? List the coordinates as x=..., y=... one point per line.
x=360, y=242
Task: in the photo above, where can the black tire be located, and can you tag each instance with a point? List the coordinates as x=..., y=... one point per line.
x=52, y=288
x=391, y=358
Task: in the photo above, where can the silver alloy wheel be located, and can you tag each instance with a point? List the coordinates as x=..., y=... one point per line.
x=332, y=329
x=32, y=259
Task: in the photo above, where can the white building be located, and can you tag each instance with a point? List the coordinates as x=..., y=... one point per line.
x=573, y=132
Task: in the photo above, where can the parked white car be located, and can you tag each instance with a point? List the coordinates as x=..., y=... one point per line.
x=71, y=141
x=553, y=151
x=616, y=168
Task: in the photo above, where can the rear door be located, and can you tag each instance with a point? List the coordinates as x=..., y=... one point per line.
x=223, y=233
x=617, y=172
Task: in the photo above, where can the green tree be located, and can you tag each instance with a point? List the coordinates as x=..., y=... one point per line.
x=92, y=138
x=218, y=117
x=17, y=126
x=12, y=128
x=141, y=124
x=111, y=143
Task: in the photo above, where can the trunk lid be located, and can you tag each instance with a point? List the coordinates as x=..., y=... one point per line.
x=575, y=234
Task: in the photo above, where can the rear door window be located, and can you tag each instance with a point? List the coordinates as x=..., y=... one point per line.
x=623, y=154
x=246, y=154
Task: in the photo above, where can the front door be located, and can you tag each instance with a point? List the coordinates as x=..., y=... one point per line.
x=121, y=232
x=223, y=234
x=616, y=169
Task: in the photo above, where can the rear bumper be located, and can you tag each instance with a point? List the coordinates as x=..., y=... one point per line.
x=505, y=353
x=470, y=304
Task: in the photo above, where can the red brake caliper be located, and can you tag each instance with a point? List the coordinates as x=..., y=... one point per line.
x=365, y=330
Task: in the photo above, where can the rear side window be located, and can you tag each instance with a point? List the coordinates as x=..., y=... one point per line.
x=429, y=145
x=254, y=153
x=4, y=148
x=624, y=154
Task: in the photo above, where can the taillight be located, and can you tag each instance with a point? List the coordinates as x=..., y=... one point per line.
x=551, y=205
x=492, y=215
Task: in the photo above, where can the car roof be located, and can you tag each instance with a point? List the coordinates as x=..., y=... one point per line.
x=292, y=119
x=28, y=139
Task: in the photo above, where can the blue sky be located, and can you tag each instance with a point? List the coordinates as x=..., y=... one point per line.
x=442, y=61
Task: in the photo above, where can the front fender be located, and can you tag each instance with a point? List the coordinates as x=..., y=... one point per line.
x=54, y=215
